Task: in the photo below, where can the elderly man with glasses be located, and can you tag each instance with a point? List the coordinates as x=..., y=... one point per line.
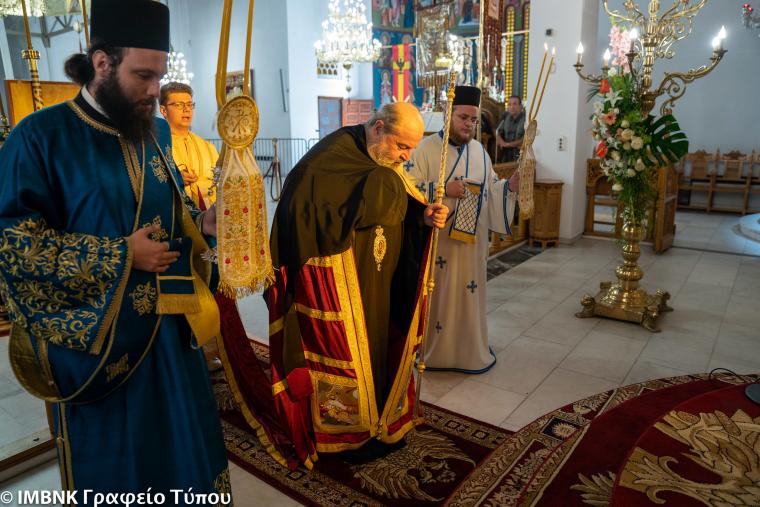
x=458, y=337
x=195, y=157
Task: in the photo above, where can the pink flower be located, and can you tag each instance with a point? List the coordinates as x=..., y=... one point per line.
x=609, y=118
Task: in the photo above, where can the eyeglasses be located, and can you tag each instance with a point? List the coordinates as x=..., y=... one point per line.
x=468, y=119
x=182, y=105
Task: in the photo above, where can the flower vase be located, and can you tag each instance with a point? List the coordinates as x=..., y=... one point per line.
x=624, y=299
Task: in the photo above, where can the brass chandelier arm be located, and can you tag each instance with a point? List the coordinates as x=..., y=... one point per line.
x=588, y=78
x=689, y=11
x=635, y=15
x=675, y=83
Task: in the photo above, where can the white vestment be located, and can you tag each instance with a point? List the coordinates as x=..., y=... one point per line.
x=458, y=333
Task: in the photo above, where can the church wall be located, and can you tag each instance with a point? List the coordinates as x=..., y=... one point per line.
x=564, y=112
x=720, y=110
x=269, y=54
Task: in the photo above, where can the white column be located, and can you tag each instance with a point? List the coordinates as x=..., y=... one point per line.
x=564, y=111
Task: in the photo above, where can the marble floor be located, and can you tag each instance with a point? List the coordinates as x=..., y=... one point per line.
x=547, y=357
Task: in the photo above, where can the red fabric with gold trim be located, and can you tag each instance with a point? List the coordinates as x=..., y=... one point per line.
x=402, y=75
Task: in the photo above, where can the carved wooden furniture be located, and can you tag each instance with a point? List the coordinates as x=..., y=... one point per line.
x=660, y=218
x=719, y=176
x=544, y=226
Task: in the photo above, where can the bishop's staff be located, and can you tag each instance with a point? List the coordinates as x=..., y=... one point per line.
x=430, y=283
x=526, y=164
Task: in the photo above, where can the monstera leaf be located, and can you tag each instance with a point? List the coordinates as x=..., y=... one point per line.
x=668, y=142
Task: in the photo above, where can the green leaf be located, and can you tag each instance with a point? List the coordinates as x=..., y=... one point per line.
x=669, y=143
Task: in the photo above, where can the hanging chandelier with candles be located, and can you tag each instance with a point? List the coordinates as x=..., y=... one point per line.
x=347, y=37
x=176, y=69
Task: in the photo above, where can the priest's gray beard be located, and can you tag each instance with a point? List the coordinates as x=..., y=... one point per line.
x=379, y=154
x=132, y=118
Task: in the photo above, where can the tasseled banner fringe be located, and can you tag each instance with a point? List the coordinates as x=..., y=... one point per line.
x=173, y=304
x=257, y=285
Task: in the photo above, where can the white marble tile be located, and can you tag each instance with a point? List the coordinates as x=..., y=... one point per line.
x=543, y=290
x=685, y=352
x=524, y=364
x=562, y=327
x=521, y=311
x=622, y=328
x=738, y=344
x=560, y=388
x=714, y=274
x=43, y=477
x=437, y=383
x=644, y=370
x=250, y=491
x=481, y=401
x=604, y=355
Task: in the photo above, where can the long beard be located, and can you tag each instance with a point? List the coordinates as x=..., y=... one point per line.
x=133, y=122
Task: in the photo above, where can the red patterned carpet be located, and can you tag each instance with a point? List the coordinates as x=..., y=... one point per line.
x=437, y=457
x=688, y=440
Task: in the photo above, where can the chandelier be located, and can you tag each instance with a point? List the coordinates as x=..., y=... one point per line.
x=750, y=19
x=37, y=8
x=176, y=69
x=347, y=37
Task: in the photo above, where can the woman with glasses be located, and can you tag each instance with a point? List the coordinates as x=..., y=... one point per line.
x=195, y=157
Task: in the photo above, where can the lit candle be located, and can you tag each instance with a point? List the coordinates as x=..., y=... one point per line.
x=721, y=35
x=606, y=57
x=538, y=81
x=633, y=35
x=579, y=50
x=546, y=79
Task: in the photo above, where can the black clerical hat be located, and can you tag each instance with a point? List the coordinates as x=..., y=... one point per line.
x=467, y=96
x=131, y=23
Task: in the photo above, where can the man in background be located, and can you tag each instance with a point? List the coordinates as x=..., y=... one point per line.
x=195, y=157
x=511, y=130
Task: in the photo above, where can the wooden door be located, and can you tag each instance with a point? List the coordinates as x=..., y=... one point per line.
x=330, y=115
x=356, y=111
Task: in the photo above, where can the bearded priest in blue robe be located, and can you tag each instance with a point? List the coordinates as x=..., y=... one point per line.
x=101, y=268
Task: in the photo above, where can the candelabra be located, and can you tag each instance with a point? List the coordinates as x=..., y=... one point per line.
x=624, y=299
x=347, y=37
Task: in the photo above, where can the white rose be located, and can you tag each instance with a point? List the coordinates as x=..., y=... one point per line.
x=640, y=166
x=625, y=124
x=617, y=187
x=627, y=146
x=637, y=143
x=615, y=155
x=627, y=134
x=616, y=110
x=606, y=171
x=630, y=173
x=620, y=163
x=598, y=107
x=612, y=72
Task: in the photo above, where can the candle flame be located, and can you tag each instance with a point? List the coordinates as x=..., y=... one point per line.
x=579, y=50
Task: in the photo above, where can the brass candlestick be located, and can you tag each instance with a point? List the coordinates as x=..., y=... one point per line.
x=624, y=299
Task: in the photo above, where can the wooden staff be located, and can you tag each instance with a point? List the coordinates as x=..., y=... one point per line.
x=31, y=56
x=430, y=285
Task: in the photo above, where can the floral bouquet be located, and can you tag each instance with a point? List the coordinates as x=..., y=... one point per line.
x=630, y=143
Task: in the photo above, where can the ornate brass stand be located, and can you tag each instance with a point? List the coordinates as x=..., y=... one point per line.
x=625, y=300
